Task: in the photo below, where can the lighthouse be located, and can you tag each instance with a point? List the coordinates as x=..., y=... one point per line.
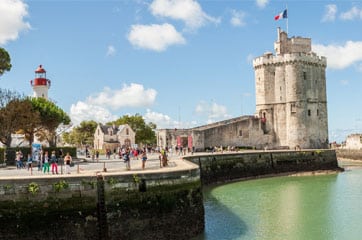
x=40, y=84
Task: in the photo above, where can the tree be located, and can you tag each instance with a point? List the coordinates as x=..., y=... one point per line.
x=5, y=60
x=81, y=135
x=18, y=115
x=144, y=132
x=7, y=95
x=51, y=117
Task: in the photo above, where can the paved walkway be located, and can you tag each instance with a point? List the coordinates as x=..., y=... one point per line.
x=88, y=167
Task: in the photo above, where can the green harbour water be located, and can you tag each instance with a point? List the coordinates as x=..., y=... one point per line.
x=323, y=207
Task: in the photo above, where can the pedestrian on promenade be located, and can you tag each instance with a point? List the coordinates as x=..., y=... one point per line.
x=126, y=159
x=144, y=158
x=46, y=162
x=54, y=163
x=40, y=160
x=68, y=161
x=29, y=161
x=19, y=162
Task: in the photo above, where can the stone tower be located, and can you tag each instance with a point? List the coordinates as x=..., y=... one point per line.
x=291, y=97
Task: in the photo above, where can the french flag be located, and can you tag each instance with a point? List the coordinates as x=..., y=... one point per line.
x=281, y=15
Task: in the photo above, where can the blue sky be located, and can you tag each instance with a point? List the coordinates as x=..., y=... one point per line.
x=178, y=63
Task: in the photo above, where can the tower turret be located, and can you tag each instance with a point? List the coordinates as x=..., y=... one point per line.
x=291, y=93
x=40, y=84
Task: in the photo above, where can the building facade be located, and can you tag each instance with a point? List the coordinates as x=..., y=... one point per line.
x=291, y=105
x=113, y=137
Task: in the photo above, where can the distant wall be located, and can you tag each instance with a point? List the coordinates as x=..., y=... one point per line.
x=225, y=167
x=144, y=206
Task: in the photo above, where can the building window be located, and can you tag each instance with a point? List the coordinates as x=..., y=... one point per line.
x=127, y=132
x=240, y=133
x=293, y=108
x=308, y=112
x=317, y=112
x=305, y=75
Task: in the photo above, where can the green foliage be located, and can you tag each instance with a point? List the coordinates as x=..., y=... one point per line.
x=2, y=155
x=144, y=132
x=81, y=135
x=51, y=116
x=33, y=188
x=5, y=60
x=92, y=184
x=112, y=181
x=136, y=179
x=58, y=186
x=18, y=116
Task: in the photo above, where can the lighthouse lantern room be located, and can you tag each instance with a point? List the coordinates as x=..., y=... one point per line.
x=40, y=83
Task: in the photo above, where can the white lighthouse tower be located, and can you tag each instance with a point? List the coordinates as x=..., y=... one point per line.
x=40, y=83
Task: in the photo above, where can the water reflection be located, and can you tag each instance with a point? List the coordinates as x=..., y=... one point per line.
x=312, y=207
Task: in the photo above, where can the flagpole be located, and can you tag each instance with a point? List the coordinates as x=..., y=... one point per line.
x=286, y=7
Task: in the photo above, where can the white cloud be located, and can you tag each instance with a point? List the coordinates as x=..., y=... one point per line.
x=164, y=121
x=330, y=13
x=160, y=119
x=133, y=95
x=98, y=107
x=237, y=18
x=111, y=50
x=212, y=111
x=340, y=56
x=155, y=37
x=12, y=22
x=83, y=111
x=353, y=13
x=188, y=11
x=262, y=3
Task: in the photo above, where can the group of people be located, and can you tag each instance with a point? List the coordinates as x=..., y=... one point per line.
x=126, y=154
x=44, y=161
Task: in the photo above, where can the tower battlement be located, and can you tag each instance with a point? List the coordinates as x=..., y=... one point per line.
x=291, y=93
x=270, y=59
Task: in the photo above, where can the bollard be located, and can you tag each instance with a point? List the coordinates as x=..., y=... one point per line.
x=104, y=167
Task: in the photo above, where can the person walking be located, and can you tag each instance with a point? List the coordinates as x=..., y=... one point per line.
x=54, y=163
x=126, y=159
x=68, y=161
x=29, y=162
x=46, y=162
x=19, y=163
x=144, y=158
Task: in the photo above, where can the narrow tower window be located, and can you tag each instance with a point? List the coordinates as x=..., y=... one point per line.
x=305, y=75
x=308, y=112
x=293, y=109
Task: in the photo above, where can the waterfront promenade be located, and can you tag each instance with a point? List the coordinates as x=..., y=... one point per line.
x=88, y=167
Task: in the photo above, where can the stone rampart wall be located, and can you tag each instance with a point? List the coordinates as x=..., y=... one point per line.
x=140, y=206
x=225, y=167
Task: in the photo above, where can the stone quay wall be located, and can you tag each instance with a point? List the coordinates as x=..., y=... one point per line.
x=162, y=205
x=225, y=167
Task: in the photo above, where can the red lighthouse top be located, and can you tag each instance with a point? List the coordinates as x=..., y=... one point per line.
x=40, y=78
x=40, y=69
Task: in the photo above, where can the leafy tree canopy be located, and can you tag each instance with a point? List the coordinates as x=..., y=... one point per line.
x=81, y=135
x=5, y=60
x=18, y=116
x=7, y=95
x=51, y=117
